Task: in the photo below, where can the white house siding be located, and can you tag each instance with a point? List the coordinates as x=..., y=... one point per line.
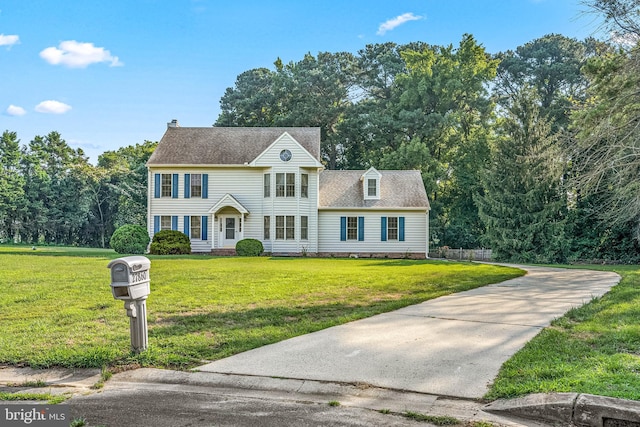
x=415, y=232
x=245, y=184
x=296, y=206
x=300, y=157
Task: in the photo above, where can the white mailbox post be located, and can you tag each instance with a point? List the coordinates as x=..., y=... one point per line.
x=130, y=283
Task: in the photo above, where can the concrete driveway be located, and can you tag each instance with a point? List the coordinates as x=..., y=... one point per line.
x=449, y=346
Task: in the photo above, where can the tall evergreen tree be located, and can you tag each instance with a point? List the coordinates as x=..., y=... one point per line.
x=523, y=206
x=12, y=199
x=55, y=190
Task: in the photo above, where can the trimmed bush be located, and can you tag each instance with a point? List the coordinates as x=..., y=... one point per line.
x=170, y=242
x=130, y=239
x=249, y=247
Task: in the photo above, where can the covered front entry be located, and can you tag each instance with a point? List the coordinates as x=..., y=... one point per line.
x=229, y=217
x=230, y=229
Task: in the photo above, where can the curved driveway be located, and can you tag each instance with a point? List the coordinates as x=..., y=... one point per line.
x=450, y=346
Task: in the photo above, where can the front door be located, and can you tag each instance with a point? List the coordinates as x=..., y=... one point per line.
x=229, y=231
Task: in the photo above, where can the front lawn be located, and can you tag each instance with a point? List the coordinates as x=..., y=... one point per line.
x=56, y=307
x=593, y=349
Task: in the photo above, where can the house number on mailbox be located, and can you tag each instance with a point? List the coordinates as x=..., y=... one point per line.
x=138, y=276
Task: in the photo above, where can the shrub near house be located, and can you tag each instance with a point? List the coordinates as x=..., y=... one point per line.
x=170, y=242
x=249, y=247
x=130, y=239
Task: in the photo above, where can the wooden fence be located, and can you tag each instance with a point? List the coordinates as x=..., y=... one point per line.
x=462, y=254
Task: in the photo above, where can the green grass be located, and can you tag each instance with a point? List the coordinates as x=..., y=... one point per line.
x=56, y=307
x=593, y=349
x=433, y=419
x=39, y=397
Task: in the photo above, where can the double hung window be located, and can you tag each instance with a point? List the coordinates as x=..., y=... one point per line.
x=392, y=228
x=285, y=184
x=304, y=228
x=166, y=185
x=285, y=227
x=267, y=228
x=165, y=222
x=267, y=185
x=195, y=227
x=352, y=228
x=304, y=185
x=372, y=188
x=196, y=185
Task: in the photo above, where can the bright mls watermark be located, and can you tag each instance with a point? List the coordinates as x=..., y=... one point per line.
x=34, y=415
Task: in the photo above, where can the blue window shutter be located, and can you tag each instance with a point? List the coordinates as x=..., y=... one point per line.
x=174, y=223
x=205, y=232
x=156, y=224
x=186, y=226
x=360, y=228
x=383, y=229
x=401, y=229
x=205, y=185
x=156, y=186
x=187, y=185
x=174, y=185
x=343, y=228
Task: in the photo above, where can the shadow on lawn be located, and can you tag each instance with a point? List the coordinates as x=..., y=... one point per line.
x=218, y=335
x=293, y=318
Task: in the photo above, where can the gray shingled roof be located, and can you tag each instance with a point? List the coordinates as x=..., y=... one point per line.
x=225, y=145
x=398, y=189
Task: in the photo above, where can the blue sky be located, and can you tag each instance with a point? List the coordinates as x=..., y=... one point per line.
x=107, y=74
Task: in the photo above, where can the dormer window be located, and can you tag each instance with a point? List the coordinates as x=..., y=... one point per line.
x=371, y=184
x=372, y=187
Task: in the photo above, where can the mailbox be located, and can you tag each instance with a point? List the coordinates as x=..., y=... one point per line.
x=130, y=283
x=130, y=277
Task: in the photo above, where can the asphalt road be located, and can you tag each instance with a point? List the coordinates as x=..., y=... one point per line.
x=179, y=408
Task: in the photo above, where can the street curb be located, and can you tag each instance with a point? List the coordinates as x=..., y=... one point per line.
x=582, y=410
x=349, y=395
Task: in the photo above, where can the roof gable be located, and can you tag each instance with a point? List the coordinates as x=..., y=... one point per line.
x=225, y=145
x=371, y=173
x=228, y=201
x=299, y=155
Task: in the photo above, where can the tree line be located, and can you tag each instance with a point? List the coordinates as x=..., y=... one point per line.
x=51, y=194
x=533, y=152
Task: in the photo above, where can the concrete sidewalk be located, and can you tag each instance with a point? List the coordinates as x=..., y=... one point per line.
x=451, y=346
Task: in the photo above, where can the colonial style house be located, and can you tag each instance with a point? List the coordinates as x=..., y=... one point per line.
x=220, y=185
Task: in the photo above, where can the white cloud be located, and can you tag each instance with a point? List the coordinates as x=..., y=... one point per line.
x=52, y=107
x=397, y=21
x=84, y=145
x=8, y=40
x=628, y=40
x=14, y=110
x=78, y=55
